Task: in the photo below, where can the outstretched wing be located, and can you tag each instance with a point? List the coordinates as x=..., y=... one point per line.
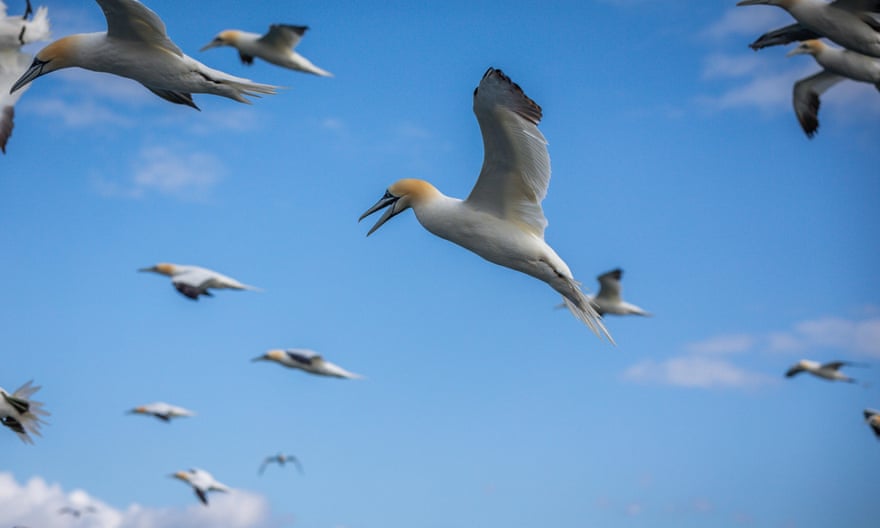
x=609, y=285
x=283, y=36
x=806, y=99
x=132, y=20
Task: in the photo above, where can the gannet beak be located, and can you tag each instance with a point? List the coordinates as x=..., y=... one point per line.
x=796, y=51
x=32, y=73
x=151, y=268
x=213, y=44
x=751, y=2
x=261, y=358
x=385, y=201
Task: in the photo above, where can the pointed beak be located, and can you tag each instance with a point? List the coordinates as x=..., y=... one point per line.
x=32, y=73
x=151, y=268
x=751, y=2
x=796, y=51
x=387, y=200
x=260, y=358
x=213, y=44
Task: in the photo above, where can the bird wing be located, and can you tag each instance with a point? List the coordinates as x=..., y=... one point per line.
x=306, y=357
x=200, y=493
x=13, y=64
x=797, y=369
x=516, y=164
x=291, y=458
x=834, y=365
x=870, y=6
x=609, y=285
x=132, y=20
x=283, y=36
x=265, y=463
x=784, y=35
x=806, y=98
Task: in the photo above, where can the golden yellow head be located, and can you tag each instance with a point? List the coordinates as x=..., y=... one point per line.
x=400, y=196
x=227, y=37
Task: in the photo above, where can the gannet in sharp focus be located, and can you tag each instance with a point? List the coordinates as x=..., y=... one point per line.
x=838, y=64
x=609, y=300
x=202, y=482
x=276, y=47
x=502, y=220
x=192, y=281
x=849, y=23
x=829, y=371
x=280, y=459
x=307, y=360
x=21, y=414
x=136, y=46
x=16, y=31
x=162, y=411
x=872, y=418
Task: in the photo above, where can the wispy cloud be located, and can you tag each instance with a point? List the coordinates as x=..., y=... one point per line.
x=724, y=344
x=36, y=503
x=695, y=371
x=77, y=114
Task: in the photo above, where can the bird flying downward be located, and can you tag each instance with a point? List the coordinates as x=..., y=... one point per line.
x=280, y=459
x=838, y=65
x=307, y=360
x=872, y=418
x=202, y=482
x=609, y=300
x=16, y=31
x=829, y=371
x=851, y=23
x=276, y=46
x=193, y=281
x=136, y=46
x=162, y=411
x=502, y=219
x=21, y=414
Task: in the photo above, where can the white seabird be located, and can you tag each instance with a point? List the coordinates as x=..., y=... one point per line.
x=502, y=220
x=849, y=23
x=15, y=32
x=609, y=300
x=307, y=360
x=276, y=46
x=162, y=411
x=829, y=371
x=192, y=281
x=838, y=64
x=202, y=482
x=280, y=459
x=872, y=418
x=21, y=414
x=136, y=46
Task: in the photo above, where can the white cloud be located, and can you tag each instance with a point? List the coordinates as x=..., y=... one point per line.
x=78, y=114
x=694, y=371
x=724, y=344
x=36, y=503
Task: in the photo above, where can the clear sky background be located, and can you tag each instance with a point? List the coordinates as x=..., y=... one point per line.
x=676, y=156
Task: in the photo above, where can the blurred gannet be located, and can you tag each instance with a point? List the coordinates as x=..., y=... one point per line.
x=162, y=411
x=77, y=512
x=16, y=31
x=872, y=417
x=502, y=220
x=136, y=46
x=21, y=414
x=276, y=47
x=192, y=281
x=838, y=64
x=280, y=459
x=202, y=482
x=307, y=360
x=609, y=301
x=849, y=23
x=829, y=371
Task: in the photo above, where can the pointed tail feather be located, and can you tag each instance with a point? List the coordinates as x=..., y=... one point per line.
x=584, y=311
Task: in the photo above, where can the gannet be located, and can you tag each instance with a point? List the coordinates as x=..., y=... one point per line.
x=276, y=47
x=307, y=360
x=162, y=411
x=21, y=414
x=838, y=64
x=849, y=23
x=829, y=371
x=192, y=281
x=502, y=220
x=280, y=459
x=609, y=301
x=872, y=418
x=136, y=46
x=202, y=482
x=77, y=512
x=16, y=31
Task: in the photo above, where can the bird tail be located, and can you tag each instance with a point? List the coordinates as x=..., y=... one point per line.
x=581, y=307
x=29, y=412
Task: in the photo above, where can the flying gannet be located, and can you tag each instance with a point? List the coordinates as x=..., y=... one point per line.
x=280, y=459
x=838, y=64
x=502, y=219
x=21, y=414
x=872, y=418
x=202, y=482
x=15, y=32
x=193, y=281
x=850, y=23
x=609, y=300
x=136, y=46
x=307, y=360
x=276, y=47
x=829, y=371
x=162, y=411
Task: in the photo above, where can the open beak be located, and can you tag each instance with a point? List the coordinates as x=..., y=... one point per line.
x=387, y=200
x=213, y=44
x=32, y=73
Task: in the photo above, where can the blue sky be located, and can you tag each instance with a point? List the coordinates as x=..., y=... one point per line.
x=676, y=156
